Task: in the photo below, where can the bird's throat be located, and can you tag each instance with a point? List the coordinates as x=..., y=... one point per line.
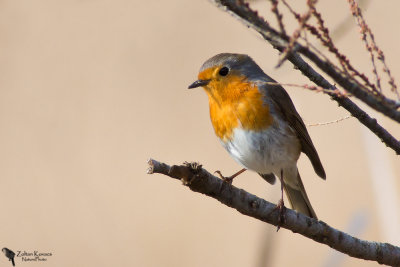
x=235, y=105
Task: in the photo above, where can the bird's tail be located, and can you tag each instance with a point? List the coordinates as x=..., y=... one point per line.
x=12, y=261
x=298, y=198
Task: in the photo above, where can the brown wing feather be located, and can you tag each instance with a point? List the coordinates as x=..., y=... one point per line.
x=284, y=105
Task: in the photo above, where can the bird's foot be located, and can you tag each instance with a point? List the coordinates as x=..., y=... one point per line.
x=225, y=179
x=230, y=178
x=282, y=217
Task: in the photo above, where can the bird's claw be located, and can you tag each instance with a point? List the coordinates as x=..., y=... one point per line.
x=225, y=179
x=282, y=217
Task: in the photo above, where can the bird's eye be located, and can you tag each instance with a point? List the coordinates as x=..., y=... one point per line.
x=223, y=71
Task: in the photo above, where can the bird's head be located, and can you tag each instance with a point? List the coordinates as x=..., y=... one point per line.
x=225, y=76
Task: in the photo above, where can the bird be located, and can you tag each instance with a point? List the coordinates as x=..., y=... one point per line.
x=257, y=123
x=9, y=254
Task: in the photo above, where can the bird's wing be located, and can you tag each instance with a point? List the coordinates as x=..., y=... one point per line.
x=283, y=104
x=270, y=178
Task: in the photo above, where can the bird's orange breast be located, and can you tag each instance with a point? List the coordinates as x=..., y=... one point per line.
x=235, y=102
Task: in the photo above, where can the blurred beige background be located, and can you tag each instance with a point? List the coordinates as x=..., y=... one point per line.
x=90, y=89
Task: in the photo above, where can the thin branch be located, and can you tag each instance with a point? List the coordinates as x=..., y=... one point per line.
x=278, y=16
x=330, y=122
x=342, y=29
x=321, y=32
x=250, y=18
x=346, y=103
x=369, y=40
x=200, y=180
x=349, y=71
x=385, y=105
x=296, y=34
x=311, y=88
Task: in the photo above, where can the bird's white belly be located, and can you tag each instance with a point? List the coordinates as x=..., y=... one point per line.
x=266, y=151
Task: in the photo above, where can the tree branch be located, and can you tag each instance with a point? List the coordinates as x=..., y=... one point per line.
x=387, y=106
x=346, y=103
x=200, y=180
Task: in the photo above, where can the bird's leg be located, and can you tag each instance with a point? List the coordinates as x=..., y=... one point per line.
x=281, y=205
x=230, y=178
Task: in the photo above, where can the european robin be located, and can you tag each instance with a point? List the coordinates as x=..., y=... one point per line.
x=257, y=123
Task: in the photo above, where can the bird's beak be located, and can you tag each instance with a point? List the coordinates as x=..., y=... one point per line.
x=198, y=83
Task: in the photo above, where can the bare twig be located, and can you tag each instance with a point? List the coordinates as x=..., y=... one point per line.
x=342, y=29
x=311, y=88
x=201, y=181
x=250, y=18
x=321, y=32
x=330, y=122
x=370, y=44
x=278, y=16
x=346, y=103
x=296, y=34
